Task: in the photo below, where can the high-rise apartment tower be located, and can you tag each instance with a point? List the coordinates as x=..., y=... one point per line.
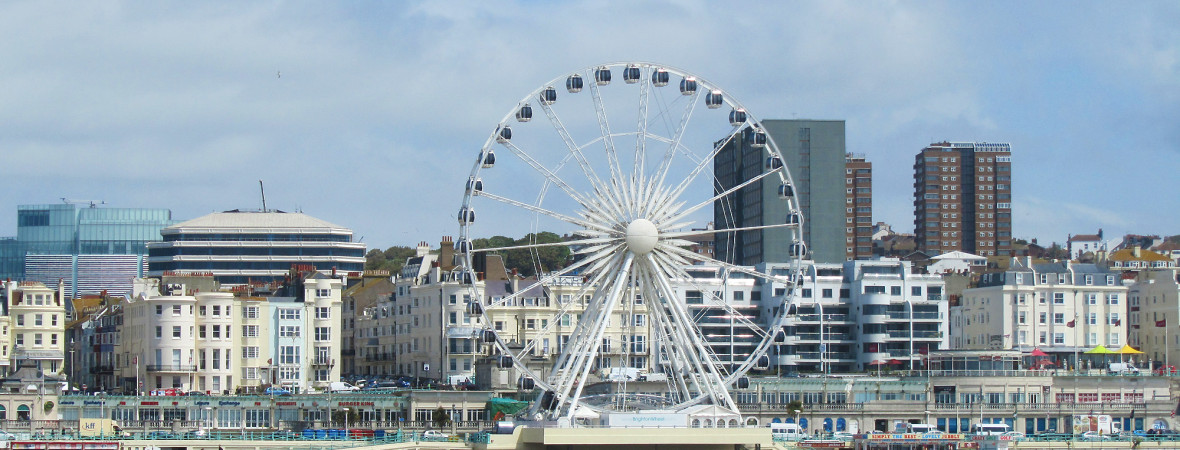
x=963, y=198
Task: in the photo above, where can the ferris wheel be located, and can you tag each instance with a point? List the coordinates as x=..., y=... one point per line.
x=634, y=166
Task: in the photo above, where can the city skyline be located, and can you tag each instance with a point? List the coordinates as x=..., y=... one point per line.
x=368, y=114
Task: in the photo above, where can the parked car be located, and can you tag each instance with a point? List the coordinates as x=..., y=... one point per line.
x=1094, y=436
x=159, y=435
x=6, y=436
x=195, y=393
x=340, y=386
x=1015, y=434
x=435, y=435
x=1166, y=370
x=276, y=391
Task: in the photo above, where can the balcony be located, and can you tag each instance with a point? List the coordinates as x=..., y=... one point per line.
x=102, y=369
x=323, y=362
x=171, y=368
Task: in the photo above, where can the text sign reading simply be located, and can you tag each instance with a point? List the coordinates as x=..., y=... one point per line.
x=652, y=420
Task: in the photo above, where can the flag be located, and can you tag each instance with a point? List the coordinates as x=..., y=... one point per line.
x=1118, y=322
x=1071, y=323
x=1162, y=323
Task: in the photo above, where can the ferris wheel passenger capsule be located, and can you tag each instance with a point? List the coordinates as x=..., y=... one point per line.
x=688, y=85
x=631, y=74
x=798, y=249
x=525, y=113
x=474, y=308
x=461, y=247
x=474, y=186
x=489, y=336
x=763, y=362
x=737, y=117
x=602, y=76
x=573, y=84
x=504, y=134
x=466, y=216
x=713, y=99
x=743, y=383
x=793, y=218
x=505, y=362
x=757, y=138
x=659, y=78
x=488, y=159
x=774, y=163
x=526, y=383
x=785, y=191
x=548, y=96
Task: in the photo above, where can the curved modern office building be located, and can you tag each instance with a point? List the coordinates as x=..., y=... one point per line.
x=238, y=247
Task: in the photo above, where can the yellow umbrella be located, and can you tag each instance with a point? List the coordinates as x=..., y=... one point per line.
x=1128, y=350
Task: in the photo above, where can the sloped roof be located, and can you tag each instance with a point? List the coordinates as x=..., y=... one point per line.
x=250, y=219
x=957, y=255
x=1144, y=255
x=1084, y=237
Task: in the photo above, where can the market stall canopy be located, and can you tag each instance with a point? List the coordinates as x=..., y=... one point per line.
x=1128, y=350
x=1038, y=352
x=1099, y=350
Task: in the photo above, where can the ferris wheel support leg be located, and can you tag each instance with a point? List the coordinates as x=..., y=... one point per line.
x=715, y=384
x=624, y=271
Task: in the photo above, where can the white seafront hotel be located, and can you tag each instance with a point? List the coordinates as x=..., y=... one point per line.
x=217, y=342
x=1059, y=307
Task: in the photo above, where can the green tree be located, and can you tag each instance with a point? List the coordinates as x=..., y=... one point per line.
x=391, y=259
x=441, y=418
x=528, y=261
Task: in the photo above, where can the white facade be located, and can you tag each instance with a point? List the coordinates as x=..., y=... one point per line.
x=850, y=315
x=1033, y=305
x=216, y=342
x=34, y=334
x=956, y=262
x=1154, y=302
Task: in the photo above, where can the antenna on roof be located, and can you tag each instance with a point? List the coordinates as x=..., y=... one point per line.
x=263, y=189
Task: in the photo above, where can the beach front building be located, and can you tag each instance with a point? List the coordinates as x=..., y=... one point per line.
x=1062, y=308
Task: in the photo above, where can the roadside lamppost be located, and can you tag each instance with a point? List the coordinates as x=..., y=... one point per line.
x=345, y=421
x=208, y=420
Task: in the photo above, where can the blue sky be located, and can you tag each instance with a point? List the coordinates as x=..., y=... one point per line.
x=381, y=105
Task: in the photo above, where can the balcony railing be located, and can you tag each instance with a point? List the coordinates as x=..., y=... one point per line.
x=171, y=368
x=102, y=369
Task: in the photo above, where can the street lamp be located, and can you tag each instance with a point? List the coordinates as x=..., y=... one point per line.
x=345, y=422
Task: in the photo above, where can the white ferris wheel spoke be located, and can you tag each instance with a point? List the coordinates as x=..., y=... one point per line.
x=604, y=128
x=676, y=234
x=641, y=135
x=701, y=166
x=612, y=299
x=677, y=136
x=587, y=169
x=549, y=175
x=540, y=210
x=714, y=198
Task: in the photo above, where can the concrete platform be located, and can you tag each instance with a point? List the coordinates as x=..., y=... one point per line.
x=631, y=438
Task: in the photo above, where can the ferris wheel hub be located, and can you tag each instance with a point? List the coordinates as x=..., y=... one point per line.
x=642, y=236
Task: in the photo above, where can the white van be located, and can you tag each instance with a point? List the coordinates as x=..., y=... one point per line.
x=340, y=386
x=990, y=429
x=787, y=431
x=1123, y=369
x=921, y=428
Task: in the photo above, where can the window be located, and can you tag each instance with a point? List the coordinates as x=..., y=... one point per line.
x=1058, y=338
x=249, y=331
x=1058, y=298
x=216, y=359
x=216, y=310
x=323, y=334
x=176, y=310
x=1113, y=339
x=323, y=292
x=249, y=352
x=176, y=332
x=1091, y=298
x=202, y=331
x=38, y=320
x=53, y=339
x=159, y=310
x=289, y=314
x=202, y=310
x=289, y=331
x=249, y=312
x=217, y=331
x=894, y=290
x=53, y=319
x=1042, y=318
x=1092, y=318
x=1112, y=299
x=323, y=312
x=639, y=320
x=37, y=340
x=289, y=354
x=1058, y=318
x=20, y=320
x=159, y=332
x=1022, y=317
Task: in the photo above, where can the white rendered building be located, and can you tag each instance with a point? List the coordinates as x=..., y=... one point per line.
x=34, y=333
x=1154, y=302
x=1059, y=307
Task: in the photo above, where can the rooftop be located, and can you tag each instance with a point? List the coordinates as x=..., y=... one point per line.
x=253, y=219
